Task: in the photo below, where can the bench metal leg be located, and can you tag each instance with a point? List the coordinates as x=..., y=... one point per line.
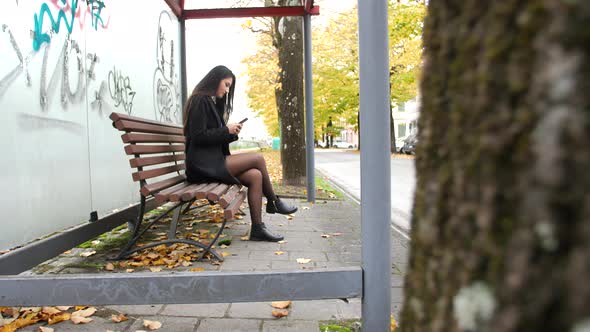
x=136, y=229
x=212, y=251
x=178, y=212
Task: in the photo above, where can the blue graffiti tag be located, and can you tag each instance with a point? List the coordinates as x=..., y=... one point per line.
x=96, y=7
x=41, y=37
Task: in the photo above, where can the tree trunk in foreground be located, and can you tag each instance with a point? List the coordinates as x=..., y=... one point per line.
x=501, y=221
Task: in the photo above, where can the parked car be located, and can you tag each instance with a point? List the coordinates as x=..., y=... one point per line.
x=343, y=145
x=409, y=146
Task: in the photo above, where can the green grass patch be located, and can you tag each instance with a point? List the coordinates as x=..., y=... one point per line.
x=323, y=186
x=98, y=266
x=108, y=240
x=351, y=325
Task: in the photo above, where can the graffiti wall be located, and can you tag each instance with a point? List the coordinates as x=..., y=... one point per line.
x=65, y=65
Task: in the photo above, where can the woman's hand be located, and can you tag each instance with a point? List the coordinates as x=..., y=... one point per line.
x=234, y=128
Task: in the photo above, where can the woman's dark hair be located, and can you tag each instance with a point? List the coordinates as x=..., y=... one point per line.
x=208, y=87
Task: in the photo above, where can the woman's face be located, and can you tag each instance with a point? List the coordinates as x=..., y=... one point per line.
x=223, y=87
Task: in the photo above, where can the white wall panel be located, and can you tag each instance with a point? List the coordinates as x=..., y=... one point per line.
x=62, y=158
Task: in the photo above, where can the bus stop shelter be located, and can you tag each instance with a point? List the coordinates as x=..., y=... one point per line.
x=370, y=281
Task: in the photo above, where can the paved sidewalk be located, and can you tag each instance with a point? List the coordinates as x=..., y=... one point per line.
x=339, y=219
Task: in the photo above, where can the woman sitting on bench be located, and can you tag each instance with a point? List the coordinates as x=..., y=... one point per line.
x=207, y=149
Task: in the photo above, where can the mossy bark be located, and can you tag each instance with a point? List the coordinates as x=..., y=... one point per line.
x=503, y=167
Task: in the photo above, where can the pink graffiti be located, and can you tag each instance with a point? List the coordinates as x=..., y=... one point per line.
x=81, y=15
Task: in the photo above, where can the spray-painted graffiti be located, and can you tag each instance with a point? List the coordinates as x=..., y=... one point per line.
x=67, y=13
x=7, y=80
x=120, y=90
x=166, y=86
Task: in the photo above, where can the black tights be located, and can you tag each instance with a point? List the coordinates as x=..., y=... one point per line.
x=250, y=169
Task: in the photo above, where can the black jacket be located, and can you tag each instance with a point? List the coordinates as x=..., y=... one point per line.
x=207, y=143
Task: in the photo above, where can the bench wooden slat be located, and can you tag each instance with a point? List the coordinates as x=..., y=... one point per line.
x=149, y=149
x=152, y=173
x=153, y=188
x=151, y=138
x=164, y=195
x=148, y=161
x=230, y=211
x=228, y=197
x=177, y=196
x=139, y=127
x=214, y=194
x=190, y=194
x=201, y=194
x=119, y=116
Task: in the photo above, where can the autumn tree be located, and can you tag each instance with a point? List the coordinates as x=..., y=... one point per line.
x=405, y=21
x=501, y=220
x=280, y=68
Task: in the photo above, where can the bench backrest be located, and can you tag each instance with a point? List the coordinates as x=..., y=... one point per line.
x=154, y=145
x=160, y=147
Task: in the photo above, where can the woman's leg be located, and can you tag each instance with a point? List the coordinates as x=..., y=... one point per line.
x=238, y=164
x=252, y=179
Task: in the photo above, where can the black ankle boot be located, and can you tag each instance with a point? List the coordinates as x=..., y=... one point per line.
x=258, y=232
x=278, y=206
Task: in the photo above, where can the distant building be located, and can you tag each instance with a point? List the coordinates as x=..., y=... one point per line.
x=405, y=120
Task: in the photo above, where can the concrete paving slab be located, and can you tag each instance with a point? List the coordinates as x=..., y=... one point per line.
x=169, y=324
x=229, y=325
x=290, y=326
x=261, y=310
x=210, y=310
x=314, y=310
x=138, y=310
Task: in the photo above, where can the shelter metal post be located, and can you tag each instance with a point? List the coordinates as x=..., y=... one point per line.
x=183, y=96
x=375, y=165
x=309, y=132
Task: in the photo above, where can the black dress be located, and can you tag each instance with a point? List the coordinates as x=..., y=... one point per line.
x=207, y=143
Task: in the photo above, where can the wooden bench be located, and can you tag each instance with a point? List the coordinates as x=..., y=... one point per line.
x=158, y=156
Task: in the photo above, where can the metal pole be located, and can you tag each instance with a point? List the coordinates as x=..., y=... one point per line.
x=309, y=132
x=182, y=63
x=375, y=165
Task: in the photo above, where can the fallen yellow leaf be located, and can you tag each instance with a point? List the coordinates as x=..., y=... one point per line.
x=186, y=264
x=280, y=313
x=303, y=260
x=281, y=242
x=80, y=320
x=119, y=318
x=225, y=254
x=129, y=270
x=151, y=324
x=88, y=253
x=281, y=304
x=393, y=324
x=63, y=308
x=155, y=269
x=109, y=267
x=50, y=310
x=85, y=312
x=279, y=253
x=197, y=269
x=54, y=319
x=325, y=236
x=306, y=207
x=45, y=329
x=245, y=238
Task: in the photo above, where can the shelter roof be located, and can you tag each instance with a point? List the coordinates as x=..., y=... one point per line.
x=199, y=9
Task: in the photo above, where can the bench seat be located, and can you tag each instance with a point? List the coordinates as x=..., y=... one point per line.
x=158, y=165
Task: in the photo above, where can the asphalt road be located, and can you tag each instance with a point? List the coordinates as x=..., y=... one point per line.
x=343, y=168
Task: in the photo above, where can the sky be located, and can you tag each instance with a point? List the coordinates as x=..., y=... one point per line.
x=215, y=42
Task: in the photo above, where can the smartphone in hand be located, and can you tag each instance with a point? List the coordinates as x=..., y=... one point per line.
x=244, y=120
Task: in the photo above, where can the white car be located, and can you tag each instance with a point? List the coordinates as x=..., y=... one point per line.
x=343, y=145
